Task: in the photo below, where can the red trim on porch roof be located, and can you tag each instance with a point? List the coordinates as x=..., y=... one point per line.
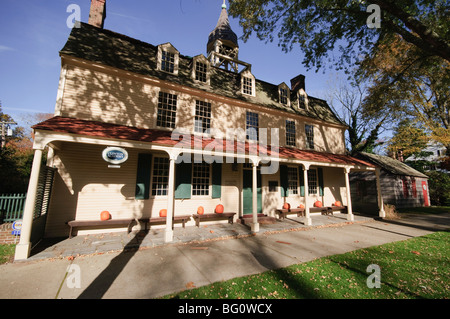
x=122, y=132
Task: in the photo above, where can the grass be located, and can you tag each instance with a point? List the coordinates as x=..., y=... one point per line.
x=410, y=269
x=7, y=253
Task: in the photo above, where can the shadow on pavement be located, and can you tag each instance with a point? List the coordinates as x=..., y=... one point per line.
x=101, y=284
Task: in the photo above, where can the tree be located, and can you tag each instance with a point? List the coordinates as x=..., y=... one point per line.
x=411, y=84
x=347, y=103
x=408, y=140
x=322, y=27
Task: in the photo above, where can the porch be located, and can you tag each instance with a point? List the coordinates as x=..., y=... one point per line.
x=155, y=237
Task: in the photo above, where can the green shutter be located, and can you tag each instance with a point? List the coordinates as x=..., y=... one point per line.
x=216, y=180
x=320, y=177
x=302, y=182
x=143, y=176
x=183, y=177
x=284, y=181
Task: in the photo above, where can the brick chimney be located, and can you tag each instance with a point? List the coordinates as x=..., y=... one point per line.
x=97, y=15
x=298, y=83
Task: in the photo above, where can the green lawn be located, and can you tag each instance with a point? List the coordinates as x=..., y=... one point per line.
x=7, y=253
x=415, y=268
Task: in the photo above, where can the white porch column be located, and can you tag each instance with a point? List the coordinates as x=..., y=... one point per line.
x=308, y=220
x=168, y=236
x=382, y=213
x=24, y=246
x=255, y=224
x=350, y=215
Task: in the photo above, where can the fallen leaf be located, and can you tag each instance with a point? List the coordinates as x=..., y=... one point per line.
x=211, y=231
x=283, y=242
x=190, y=284
x=415, y=252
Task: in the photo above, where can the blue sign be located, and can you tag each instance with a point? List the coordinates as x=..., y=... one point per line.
x=115, y=155
x=17, y=227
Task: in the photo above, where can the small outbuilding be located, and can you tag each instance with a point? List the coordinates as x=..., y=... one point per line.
x=400, y=185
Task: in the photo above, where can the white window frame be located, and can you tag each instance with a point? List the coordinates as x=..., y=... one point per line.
x=308, y=146
x=293, y=184
x=246, y=74
x=251, y=125
x=284, y=88
x=200, y=117
x=203, y=183
x=201, y=59
x=313, y=182
x=155, y=190
x=302, y=100
x=169, y=48
x=166, y=107
x=291, y=140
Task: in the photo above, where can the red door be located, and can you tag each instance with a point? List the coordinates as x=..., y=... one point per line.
x=425, y=193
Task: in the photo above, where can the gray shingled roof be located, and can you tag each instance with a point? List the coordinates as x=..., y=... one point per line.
x=390, y=164
x=223, y=30
x=122, y=52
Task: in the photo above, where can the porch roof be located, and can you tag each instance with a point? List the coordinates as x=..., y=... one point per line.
x=164, y=138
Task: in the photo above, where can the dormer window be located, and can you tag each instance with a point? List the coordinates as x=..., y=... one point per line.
x=247, y=86
x=302, y=101
x=168, y=62
x=284, y=93
x=168, y=58
x=200, y=71
x=247, y=83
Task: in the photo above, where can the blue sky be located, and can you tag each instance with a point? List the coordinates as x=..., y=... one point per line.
x=32, y=32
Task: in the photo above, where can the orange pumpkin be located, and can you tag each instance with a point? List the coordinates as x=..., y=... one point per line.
x=301, y=206
x=219, y=209
x=163, y=213
x=105, y=215
x=200, y=210
x=318, y=204
x=286, y=206
x=337, y=203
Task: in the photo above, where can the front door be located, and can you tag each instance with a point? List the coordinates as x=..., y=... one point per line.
x=247, y=193
x=425, y=193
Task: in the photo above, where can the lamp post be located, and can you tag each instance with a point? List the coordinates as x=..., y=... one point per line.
x=4, y=131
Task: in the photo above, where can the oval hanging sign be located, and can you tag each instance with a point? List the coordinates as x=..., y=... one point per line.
x=115, y=155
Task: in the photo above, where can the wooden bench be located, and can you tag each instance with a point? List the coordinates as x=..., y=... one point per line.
x=282, y=213
x=213, y=216
x=121, y=222
x=328, y=210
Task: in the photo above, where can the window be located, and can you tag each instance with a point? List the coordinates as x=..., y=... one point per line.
x=405, y=187
x=167, y=110
x=309, y=131
x=168, y=61
x=247, y=85
x=201, y=70
x=290, y=133
x=160, y=180
x=283, y=96
x=200, y=179
x=414, y=189
x=293, y=180
x=252, y=126
x=312, y=182
x=202, y=116
x=302, y=101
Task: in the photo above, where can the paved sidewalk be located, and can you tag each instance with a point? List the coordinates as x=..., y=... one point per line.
x=156, y=269
x=110, y=242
